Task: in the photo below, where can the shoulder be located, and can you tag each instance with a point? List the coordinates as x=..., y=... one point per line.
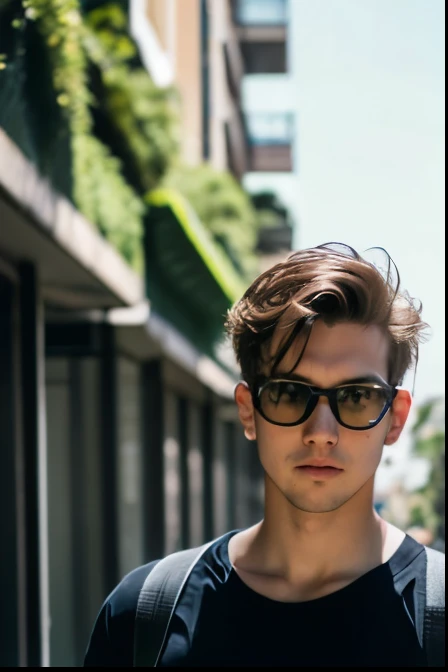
x=123, y=599
x=111, y=640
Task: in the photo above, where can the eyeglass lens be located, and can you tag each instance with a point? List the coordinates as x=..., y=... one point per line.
x=285, y=402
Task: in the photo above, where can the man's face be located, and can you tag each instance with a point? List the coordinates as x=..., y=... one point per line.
x=290, y=455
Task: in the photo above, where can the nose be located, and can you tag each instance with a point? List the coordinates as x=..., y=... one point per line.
x=321, y=429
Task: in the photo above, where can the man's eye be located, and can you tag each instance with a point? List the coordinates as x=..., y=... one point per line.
x=355, y=394
x=290, y=391
x=283, y=392
x=293, y=393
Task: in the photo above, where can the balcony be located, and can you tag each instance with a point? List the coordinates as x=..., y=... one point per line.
x=275, y=239
x=261, y=26
x=270, y=139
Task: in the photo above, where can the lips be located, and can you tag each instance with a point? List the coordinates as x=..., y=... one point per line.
x=320, y=472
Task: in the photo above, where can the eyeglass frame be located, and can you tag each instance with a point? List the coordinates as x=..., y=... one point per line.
x=330, y=393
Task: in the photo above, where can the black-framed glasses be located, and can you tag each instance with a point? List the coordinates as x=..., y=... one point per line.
x=357, y=406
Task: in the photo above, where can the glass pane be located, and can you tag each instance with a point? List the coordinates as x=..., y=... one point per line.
x=171, y=453
x=270, y=129
x=130, y=505
x=220, y=484
x=261, y=12
x=61, y=551
x=196, y=477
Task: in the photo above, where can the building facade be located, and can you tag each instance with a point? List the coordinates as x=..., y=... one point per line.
x=193, y=45
x=119, y=436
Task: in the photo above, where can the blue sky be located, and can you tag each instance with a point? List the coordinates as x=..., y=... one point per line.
x=371, y=122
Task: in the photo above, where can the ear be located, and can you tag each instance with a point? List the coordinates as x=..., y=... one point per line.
x=399, y=414
x=246, y=410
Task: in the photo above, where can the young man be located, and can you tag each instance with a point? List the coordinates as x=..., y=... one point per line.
x=323, y=340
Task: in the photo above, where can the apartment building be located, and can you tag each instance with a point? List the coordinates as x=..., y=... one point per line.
x=267, y=33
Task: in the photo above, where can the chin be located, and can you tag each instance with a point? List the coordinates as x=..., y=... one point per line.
x=312, y=505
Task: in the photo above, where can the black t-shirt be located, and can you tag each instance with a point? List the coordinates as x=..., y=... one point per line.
x=220, y=621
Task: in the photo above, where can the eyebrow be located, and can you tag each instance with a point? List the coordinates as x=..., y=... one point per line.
x=358, y=380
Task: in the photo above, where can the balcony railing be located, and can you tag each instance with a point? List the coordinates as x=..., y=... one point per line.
x=270, y=138
x=270, y=127
x=274, y=158
x=260, y=12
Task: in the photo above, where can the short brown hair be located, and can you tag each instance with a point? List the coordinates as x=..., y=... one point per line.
x=331, y=282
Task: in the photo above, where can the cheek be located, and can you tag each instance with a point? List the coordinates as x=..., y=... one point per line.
x=370, y=446
x=273, y=442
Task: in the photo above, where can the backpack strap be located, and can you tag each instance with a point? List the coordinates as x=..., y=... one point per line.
x=157, y=601
x=434, y=617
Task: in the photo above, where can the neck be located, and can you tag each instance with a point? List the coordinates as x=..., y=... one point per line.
x=294, y=542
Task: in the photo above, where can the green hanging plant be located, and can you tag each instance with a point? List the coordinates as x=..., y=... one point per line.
x=99, y=191
x=224, y=208
x=144, y=116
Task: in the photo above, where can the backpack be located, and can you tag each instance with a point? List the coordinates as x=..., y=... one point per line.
x=164, y=584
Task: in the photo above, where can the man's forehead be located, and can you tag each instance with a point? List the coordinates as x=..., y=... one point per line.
x=347, y=346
